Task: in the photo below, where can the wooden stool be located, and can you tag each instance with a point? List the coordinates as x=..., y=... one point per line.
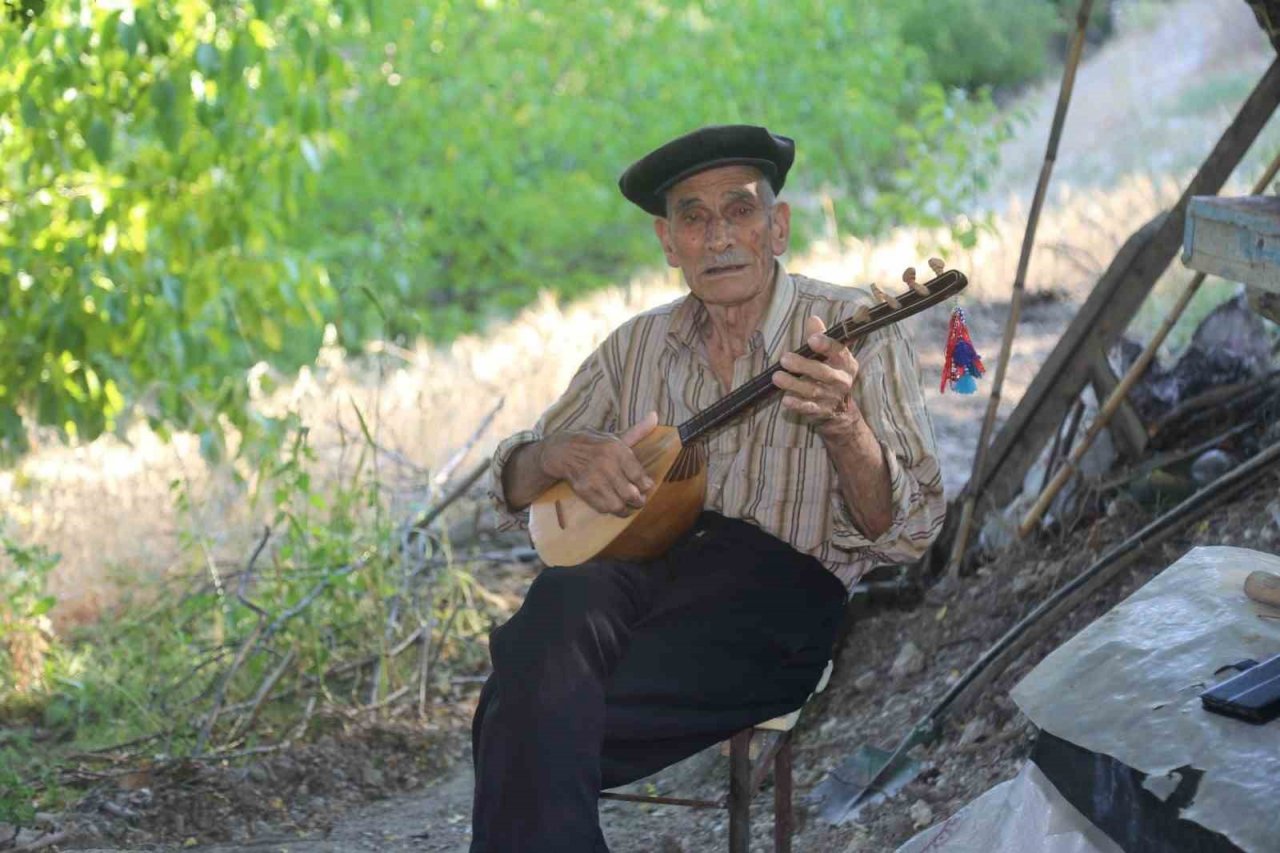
x=746, y=773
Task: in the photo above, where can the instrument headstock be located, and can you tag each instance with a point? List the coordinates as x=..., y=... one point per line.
x=890, y=309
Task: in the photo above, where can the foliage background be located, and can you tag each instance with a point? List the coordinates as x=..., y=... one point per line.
x=188, y=187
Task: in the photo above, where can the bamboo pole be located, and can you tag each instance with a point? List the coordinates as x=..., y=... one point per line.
x=1020, y=286
x=1070, y=465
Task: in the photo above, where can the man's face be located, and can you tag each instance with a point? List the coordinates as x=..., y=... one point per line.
x=719, y=232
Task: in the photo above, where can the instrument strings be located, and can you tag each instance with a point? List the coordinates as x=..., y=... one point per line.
x=761, y=386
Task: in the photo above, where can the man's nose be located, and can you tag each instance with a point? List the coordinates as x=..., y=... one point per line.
x=719, y=233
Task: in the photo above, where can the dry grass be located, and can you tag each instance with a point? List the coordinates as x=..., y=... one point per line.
x=108, y=506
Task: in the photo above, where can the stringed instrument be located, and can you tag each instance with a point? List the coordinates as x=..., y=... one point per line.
x=566, y=531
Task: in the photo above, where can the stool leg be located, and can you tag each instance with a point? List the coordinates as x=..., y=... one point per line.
x=783, y=818
x=739, y=795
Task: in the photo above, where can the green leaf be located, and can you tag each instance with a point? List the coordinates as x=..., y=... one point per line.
x=128, y=35
x=272, y=336
x=208, y=59
x=163, y=96
x=30, y=112
x=99, y=139
x=169, y=121
x=364, y=426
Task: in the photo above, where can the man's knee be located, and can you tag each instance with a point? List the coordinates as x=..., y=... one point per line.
x=565, y=606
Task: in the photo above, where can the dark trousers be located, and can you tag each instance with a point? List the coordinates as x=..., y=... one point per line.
x=611, y=671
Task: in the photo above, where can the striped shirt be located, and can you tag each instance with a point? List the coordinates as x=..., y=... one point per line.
x=768, y=467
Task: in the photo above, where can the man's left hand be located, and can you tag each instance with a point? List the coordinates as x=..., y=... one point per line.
x=820, y=389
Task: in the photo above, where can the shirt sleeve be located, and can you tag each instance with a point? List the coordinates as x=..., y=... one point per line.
x=889, y=394
x=590, y=402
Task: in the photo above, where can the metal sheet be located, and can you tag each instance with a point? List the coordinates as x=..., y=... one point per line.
x=1128, y=686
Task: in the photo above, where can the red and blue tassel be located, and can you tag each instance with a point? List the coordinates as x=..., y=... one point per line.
x=963, y=366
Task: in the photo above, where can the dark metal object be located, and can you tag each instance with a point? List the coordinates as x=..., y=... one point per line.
x=1111, y=795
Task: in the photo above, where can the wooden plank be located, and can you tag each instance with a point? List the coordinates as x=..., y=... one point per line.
x=1126, y=428
x=1111, y=306
x=1235, y=238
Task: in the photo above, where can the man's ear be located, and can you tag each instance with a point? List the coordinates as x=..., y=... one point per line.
x=780, y=229
x=663, y=229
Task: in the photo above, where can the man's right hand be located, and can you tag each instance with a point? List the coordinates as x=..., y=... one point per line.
x=600, y=467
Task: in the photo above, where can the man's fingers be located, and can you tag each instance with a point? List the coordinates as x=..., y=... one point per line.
x=635, y=473
x=639, y=430
x=631, y=496
x=822, y=372
x=813, y=325
x=603, y=499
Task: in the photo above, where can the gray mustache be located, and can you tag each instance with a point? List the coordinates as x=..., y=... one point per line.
x=727, y=259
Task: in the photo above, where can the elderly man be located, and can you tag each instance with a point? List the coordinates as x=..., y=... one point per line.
x=611, y=670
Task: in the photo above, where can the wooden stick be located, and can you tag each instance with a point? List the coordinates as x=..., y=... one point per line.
x=1163, y=460
x=264, y=690
x=245, y=576
x=1071, y=464
x=1223, y=400
x=446, y=470
x=1052, y=461
x=250, y=642
x=1019, y=286
x=42, y=843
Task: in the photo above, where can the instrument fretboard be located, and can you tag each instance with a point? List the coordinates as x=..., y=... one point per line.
x=761, y=387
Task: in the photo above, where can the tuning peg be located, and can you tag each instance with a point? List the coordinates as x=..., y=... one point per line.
x=884, y=297
x=910, y=278
x=937, y=265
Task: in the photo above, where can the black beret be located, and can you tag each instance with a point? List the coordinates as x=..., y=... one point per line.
x=645, y=181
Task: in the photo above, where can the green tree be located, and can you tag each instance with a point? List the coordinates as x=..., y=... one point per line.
x=190, y=186
x=152, y=158
x=487, y=139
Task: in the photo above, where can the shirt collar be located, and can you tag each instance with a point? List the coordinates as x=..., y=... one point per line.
x=689, y=316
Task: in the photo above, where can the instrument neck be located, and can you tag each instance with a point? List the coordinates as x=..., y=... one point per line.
x=760, y=387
